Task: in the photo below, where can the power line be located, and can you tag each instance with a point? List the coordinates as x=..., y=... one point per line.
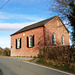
x=4, y=4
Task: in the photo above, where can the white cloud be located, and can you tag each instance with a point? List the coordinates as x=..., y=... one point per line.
x=6, y=27
x=9, y=28
x=4, y=15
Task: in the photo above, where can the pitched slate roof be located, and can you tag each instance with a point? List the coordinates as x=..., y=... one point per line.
x=35, y=25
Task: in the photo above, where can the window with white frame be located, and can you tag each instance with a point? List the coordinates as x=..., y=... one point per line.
x=18, y=43
x=53, y=39
x=30, y=41
x=63, y=42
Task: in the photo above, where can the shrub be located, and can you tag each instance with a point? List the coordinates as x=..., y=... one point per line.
x=5, y=52
x=60, y=57
x=63, y=54
x=72, y=54
x=30, y=56
x=34, y=57
x=27, y=56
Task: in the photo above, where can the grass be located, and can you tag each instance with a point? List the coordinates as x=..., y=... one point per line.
x=32, y=60
x=4, y=56
x=59, y=65
x=24, y=56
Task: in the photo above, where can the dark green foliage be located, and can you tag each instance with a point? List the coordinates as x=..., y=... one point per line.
x=34, y=57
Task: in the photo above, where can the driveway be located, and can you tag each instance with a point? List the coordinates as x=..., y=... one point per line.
x=9, y=66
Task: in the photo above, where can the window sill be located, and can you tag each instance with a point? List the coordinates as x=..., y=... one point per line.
x=30, y=47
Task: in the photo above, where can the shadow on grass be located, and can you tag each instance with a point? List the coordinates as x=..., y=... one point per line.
x=1, y=72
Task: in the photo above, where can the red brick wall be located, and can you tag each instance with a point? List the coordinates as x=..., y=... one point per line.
x=24, y=51
x=41, y=34
x=52, y=27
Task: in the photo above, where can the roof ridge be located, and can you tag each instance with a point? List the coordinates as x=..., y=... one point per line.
x=40, y=21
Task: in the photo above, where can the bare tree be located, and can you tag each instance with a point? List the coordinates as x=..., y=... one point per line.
x=62, y=7
x=66, y=10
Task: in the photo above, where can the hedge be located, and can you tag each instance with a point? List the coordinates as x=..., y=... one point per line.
x=64, y=54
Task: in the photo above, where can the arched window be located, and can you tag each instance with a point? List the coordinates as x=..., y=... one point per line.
x=53, y=39
x=30, y=41
x=18, y=43
x=63, y=43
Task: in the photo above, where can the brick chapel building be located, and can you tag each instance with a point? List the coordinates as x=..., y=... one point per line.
x=49, y=32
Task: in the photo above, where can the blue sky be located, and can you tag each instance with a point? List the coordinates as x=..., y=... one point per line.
x=19, y=13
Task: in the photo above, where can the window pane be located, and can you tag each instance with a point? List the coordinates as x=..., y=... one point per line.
x=18, y=45
x=20, y=42
x=31, y=41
